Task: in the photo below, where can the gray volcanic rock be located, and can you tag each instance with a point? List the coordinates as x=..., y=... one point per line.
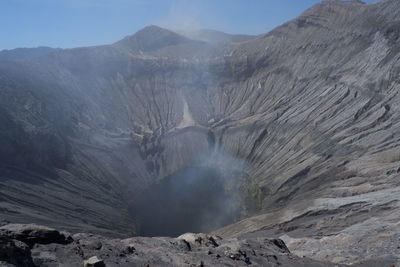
x=187, y=250
x=33, y=234
x=94, y=262
x=14, y=252
x=299, y=127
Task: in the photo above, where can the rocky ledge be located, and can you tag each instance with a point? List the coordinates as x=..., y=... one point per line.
x=33, y=245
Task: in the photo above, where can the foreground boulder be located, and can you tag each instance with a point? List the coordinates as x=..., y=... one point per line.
x=14, y=252
x=200, y=240
x=94, y=262
x=32, y=234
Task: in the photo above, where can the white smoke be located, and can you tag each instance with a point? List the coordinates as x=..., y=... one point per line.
x=183, y=16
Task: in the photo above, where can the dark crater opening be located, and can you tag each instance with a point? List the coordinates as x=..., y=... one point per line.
x=192, y=200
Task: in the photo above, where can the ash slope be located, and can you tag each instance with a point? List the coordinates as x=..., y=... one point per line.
x=310, y=108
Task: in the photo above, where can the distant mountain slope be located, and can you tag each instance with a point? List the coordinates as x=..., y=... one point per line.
x=217, y=37
x=25, y=53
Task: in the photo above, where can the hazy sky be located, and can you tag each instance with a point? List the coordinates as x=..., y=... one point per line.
x=72, y=23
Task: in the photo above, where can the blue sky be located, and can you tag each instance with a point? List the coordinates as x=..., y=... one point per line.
x=73, y=23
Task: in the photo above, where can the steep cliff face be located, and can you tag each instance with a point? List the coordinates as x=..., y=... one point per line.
x=298, y=126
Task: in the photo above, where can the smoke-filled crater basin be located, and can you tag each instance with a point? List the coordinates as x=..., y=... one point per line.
x=193, y=199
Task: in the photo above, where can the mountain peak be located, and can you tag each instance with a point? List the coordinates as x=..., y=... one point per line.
x=152, y=38
x=151, y=29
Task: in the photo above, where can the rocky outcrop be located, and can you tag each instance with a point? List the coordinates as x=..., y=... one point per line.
x=34, y=234
x=14, y=252
x=187, y=250
x=17, y=240
x=94, y=262
x=299, y=127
